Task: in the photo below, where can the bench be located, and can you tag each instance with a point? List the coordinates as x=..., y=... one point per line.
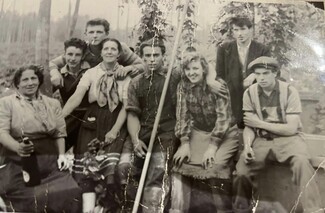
x=276, y=191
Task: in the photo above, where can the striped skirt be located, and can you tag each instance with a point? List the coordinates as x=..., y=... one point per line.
x=98, y=163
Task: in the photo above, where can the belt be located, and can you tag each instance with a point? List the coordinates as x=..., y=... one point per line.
x=266, y=134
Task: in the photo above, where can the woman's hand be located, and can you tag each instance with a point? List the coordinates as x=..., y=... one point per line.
x=209, y=156
x=182, y=153
x=25, y=150
x=63, y=162
x=140, y=148
x=111, y=136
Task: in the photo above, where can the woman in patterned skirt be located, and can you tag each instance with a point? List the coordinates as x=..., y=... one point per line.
x=103, y=126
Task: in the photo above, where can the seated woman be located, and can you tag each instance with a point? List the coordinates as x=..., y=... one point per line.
x=202, y=164
x=103, y=124
x=28, y=113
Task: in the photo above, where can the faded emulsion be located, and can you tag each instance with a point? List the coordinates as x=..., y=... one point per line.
x=162, y=106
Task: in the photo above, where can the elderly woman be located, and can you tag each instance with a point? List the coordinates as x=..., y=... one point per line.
x=103, y=122
x=202, y=163
x=28, y=113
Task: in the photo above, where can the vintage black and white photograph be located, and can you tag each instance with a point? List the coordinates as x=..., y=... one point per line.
x=154, y=106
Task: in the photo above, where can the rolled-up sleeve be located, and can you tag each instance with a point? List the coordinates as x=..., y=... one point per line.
x=294, y=103
x=59, y=120
x=133, y=104
x=223, y=110
x=5, y=115
x=128, y=58
x=247, y=102
x=85, y=80
x=183, y=118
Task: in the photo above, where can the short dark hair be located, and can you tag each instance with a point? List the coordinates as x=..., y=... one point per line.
x=241, y=21
x=77, y=43
x=38, y=70
x=119, y=46
x=98, y=21
x=153, y=42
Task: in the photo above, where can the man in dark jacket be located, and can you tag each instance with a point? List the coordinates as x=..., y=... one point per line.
x=232, y=60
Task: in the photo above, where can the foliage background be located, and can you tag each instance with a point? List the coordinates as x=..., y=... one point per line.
x=295, y=33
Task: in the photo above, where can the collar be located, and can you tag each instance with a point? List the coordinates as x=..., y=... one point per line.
x=110, y=71
x=245, y=47
x=19, y=96
x=203, y=85
x=276, y=88
x=83, y=66
x=161, y=72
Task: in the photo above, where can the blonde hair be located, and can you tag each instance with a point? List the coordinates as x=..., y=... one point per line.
x=195, y=56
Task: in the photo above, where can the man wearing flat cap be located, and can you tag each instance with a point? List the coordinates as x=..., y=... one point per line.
x=272, y=132
x=232, y=60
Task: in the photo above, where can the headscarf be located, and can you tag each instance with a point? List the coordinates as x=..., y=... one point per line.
x=107, y=88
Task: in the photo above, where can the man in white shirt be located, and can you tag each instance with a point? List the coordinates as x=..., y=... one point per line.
x=232, y=60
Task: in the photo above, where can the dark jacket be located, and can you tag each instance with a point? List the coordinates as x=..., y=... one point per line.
x=229, y=68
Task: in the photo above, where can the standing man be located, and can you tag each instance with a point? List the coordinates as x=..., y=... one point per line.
x=143, y=99
x=232, y=60
x=272, y=132
x=96, y=30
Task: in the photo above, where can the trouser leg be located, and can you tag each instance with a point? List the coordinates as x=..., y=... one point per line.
x=222, y=195
x=156, y=193
x=180, y=193
x=303, y=176
x=244, y=181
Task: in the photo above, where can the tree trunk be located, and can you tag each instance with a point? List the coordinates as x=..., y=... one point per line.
x=2, y=3
x=67, y=35
x=74, y=18
x=42, y=42
x=127, y=23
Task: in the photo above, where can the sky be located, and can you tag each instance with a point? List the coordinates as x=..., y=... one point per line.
x=94, y=8
x=109, y=9
x=206, y=12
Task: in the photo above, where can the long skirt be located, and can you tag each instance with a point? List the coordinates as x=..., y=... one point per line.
x=98, y=121
x=196, y=189
x=57, y=192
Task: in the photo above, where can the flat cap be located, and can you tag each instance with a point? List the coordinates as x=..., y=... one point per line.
x=265, y=62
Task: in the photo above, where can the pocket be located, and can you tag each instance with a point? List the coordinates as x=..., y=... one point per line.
x=90, y=118
x=90, y=123
x=4, y=181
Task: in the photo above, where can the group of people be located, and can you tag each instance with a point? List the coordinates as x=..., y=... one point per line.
x=110, y=100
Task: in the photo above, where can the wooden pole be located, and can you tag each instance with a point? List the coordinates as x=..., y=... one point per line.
x=160, y=107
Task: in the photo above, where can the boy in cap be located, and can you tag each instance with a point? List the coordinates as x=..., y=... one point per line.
x=232, y=60
x=96, y=30
x=272, y=132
